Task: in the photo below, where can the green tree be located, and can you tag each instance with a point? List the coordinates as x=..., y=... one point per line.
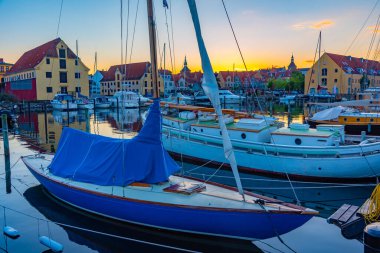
x=297, y=81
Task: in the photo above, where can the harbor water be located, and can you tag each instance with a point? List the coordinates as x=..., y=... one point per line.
x=31, y=210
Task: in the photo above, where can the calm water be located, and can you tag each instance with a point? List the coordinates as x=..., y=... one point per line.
x=29, y=202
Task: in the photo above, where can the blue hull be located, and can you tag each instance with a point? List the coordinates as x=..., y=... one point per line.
x=227, y=223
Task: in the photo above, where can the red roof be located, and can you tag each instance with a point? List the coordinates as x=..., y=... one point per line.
x=354, y=64
x=134, y=71
x=33, y=57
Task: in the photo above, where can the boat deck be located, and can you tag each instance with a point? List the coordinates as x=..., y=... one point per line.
x=213, y=196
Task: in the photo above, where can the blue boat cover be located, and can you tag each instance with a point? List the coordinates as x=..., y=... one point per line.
x=108, y=161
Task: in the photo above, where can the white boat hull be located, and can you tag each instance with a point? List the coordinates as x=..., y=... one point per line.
x=345, y=162
x=64, y=106
x=85, y=106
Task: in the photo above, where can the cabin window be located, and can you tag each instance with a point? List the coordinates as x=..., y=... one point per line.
x=62, y=64
x=345, y=119
x=243, y=136
x=62, y=53
x=202, y=130
x=47, y=61
x=298, y=141
x=49, y=89
x=63, y=77
x=371, y=119
x=48, y=74
x=357, y=119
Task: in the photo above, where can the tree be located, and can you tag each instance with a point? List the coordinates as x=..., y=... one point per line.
x=297, y=81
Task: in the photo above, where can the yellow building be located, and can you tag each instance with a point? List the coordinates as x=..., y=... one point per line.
x=340, y=74
x=46, y=70
x=137, y=79
x=4, y=67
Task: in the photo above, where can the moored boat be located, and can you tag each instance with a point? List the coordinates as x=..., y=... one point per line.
x=126, y=99
x=64, y=102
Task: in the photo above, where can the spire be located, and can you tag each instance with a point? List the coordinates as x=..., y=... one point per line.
x=185, y=62
x=292, y=59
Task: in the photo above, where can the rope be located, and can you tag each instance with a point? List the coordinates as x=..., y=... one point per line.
x=257, y=98
x=372, y=214
x=171, y=25
x=233, y=31
x=96, y=232
x=134, y=30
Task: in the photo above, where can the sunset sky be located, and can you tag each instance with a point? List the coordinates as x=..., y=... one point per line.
x=268, y=31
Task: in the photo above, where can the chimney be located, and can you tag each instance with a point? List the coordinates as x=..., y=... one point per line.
x=361, y=59
x=1, y=60
x=349, y=57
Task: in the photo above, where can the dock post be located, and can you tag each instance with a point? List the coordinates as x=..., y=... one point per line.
x=6, y=153
x=117, y=104
x=29, y=116
x=94, y=106
x=46, y=128
x=224, y=102
x=271, y=108
x=87, y=120
x=372, y=238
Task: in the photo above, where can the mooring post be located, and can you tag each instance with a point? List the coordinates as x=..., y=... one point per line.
x=45, y=118
x=6, y=154
x=87, y=111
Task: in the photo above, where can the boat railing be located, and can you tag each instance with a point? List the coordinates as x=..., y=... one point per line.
x=276, y=149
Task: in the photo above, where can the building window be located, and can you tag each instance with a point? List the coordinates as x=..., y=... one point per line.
x=78, y=89
x=49, y=89
x=2, y=68
x=47, y=61
x=335, y=80
x=146, y=84
x=77, y=75
x=324, y=81
x=62, y=64
x=324, y=72
x=64, y=90
x=6, y=68
x=62, y=53
x=48, y=74
x=63, y=77
x=336, y=70
x=76, y=62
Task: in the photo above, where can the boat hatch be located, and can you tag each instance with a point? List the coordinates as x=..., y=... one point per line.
x=186, y=188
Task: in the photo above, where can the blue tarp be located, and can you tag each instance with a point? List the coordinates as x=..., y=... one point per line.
x=107, y=161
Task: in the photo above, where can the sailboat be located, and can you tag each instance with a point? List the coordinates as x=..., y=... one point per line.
x=132, y=180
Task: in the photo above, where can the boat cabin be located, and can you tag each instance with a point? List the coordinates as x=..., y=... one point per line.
x=303, y=135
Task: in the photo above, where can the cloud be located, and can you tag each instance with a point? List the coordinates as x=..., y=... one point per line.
x=371, y=29
x=322, y=24
x=309, y=61
x=315, y=25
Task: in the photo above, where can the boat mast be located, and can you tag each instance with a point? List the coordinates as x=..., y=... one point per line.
x=76, y=68
x=319, y=59
x=153, y=48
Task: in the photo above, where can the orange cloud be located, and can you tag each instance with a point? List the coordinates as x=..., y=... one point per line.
x=309, y=61
x=313, y=25
x=371, y=28
x=322, y=24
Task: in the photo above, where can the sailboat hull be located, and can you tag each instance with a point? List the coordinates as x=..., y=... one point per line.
x=241, y=224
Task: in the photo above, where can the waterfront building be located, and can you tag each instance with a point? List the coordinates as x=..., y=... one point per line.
x=4, y=67
x=95, y=86
x=341, y=74
x=186, y=79
x=169, y=86
x=134, y=77
x=48, y=69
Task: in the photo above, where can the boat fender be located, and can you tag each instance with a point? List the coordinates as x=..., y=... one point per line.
x=372, y=238
x=11, y=232
x=51, y=244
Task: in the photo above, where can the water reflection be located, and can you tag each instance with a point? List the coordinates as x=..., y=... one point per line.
x=56, y=211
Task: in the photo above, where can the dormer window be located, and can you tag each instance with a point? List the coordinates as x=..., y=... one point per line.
x=62, y=53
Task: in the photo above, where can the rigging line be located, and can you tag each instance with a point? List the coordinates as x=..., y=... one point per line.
x=170, y=48
x=134, y=30
x=233, y=31
x=59, y=19
x=315, y=56
x=95, y=232
x=362, y=27
x=171, y=24
x=373, y=38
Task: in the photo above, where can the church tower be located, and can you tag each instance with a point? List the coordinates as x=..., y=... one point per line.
x=292, y=66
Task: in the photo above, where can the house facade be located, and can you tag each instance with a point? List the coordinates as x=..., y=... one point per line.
x=135, y=77
x=340, y=74
x=46, y=70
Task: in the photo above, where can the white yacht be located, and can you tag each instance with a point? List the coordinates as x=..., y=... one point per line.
x=126, y=99
x=226, y=96
x=64, y=102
